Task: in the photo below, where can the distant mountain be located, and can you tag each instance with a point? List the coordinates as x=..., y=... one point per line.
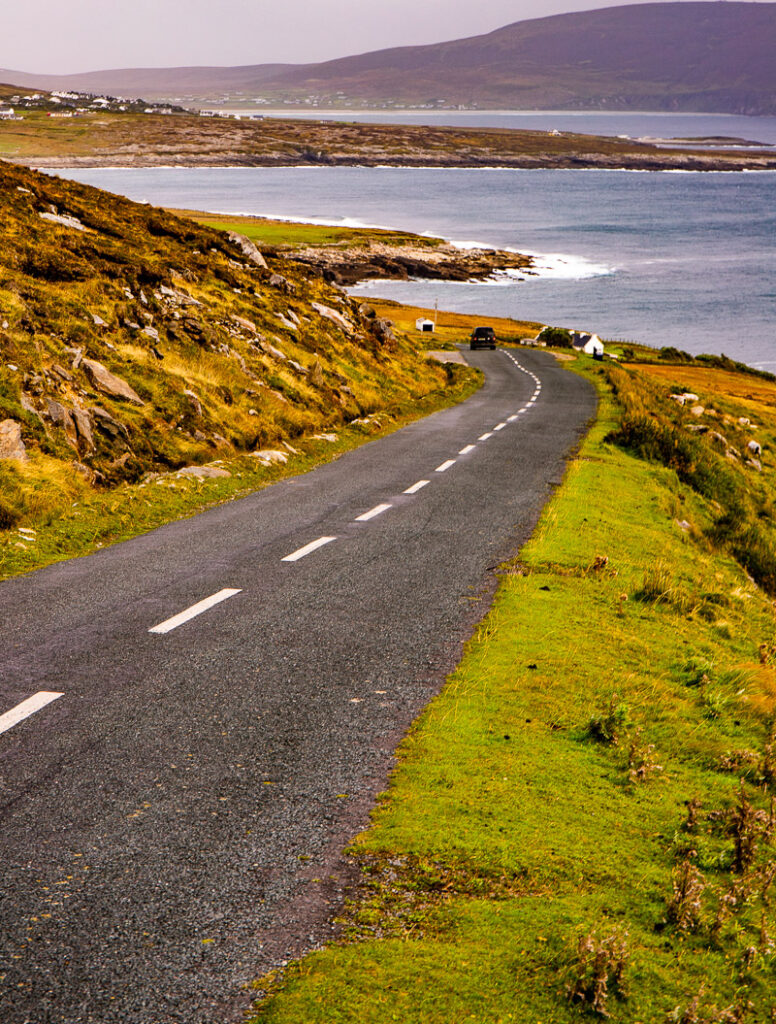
x=695, y=56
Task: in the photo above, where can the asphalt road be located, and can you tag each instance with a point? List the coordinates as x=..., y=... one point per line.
x=171, y=825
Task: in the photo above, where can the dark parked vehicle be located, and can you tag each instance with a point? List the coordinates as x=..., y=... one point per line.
x=483, y=337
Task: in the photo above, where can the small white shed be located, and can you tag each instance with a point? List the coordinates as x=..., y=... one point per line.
x=424, y=325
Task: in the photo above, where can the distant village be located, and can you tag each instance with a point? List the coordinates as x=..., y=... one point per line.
x=76, y=104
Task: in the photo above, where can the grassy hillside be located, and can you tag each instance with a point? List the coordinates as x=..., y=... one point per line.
x=581, y=825
x=134, y=343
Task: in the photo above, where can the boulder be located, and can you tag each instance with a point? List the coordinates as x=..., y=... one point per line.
x=194, y=402
x=698, y=410
x=106, y=422
x=268, y=457
x=331, y=314
x=11, y=444
x=248, y=249
x=108, y=383
x=282, y=284
x=203, y=472
x=316, y=375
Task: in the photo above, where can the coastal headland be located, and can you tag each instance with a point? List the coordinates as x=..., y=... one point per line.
x=187, y=140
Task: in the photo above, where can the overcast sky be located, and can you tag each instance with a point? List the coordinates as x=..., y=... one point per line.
x=63, y=36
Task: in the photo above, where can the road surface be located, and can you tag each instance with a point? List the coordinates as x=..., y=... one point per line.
x=195, y=722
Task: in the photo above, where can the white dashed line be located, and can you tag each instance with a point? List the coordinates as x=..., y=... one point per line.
x=499, y=426
x=308, y=549
x=26, y=708
x=485, y=436
x=511, y=419
x=372, y=513
x=191, y=613
x=467, y=449
x=445, y=466
x=417, y=487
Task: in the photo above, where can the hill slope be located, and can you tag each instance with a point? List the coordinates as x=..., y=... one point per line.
x=703, y=56
x=134, y=342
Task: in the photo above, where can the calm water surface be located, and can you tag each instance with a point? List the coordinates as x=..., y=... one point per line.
x=683, y=259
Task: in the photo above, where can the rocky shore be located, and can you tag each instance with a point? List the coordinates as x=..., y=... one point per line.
x=351, y=264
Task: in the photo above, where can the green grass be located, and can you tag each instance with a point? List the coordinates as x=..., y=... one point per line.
x=509, y=833
x=265, y=231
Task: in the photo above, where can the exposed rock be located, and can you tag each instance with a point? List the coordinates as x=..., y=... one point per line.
x=11, y=444
x=697, y=410
x=331, y=314
x=98, y=321
x=64, y=220
x=383, y=330
x=719, y=438
x=108, y=383
x=316, y=375
x=286, y=322
x=247, y=325
x=194, y=402
x=151, y=332
x=698, y=428
x=248, y=249
x=177, y=297
x=282, y=284
x=272, y=351
x=329, y=438
x=106, y=422
x=297, y=367
x=83, y=425
x=268, y=456
x=683, y=525
x=60, y=371
x=203, y=472
x=755, y=464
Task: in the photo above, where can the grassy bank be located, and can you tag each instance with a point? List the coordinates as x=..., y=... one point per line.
x=567, y=834
x=66, y=518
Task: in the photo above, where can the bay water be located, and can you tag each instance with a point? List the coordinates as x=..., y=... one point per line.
x=664, y=258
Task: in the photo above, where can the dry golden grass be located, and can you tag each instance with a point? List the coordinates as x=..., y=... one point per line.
x=715, y=381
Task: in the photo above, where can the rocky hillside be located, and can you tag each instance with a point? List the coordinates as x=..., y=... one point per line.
x=133, y=342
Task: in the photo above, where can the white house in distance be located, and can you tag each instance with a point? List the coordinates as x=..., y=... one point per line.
x=7, y=114
x=590, y=344
x=424, y=325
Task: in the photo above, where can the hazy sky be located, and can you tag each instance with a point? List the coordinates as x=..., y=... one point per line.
x=63, y=36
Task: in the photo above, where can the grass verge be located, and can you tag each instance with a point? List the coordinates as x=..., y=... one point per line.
x=581, y=824
x=97, y=518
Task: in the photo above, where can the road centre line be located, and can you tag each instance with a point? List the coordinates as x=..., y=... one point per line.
x=27, y=708
x=372, y=513
x=467, y=449
x=191, y=613
x=308, y=549
x=485, y=436
x=445, y=466
x=500, y=426
x=417, y=487
x=512, y=418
